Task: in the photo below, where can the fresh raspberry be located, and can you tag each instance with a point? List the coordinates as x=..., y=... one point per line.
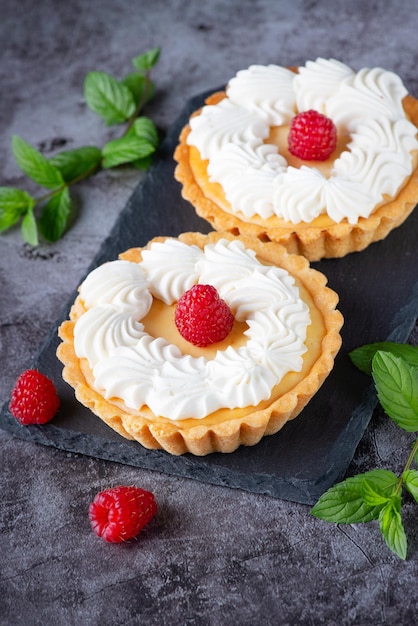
x=118, y=514
x=34, y=399
x=312, y=136
x=202, y=317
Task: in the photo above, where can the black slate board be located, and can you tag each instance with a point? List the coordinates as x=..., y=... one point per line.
x=378, y=291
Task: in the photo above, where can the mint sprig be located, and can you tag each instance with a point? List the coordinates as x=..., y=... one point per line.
x=377, y=494
x=116, y=102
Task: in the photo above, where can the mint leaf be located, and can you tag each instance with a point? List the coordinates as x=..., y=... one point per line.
x=146, y=61
x=344, y=503
x=35, y=165
x=383, y=481
x=109, y=98
x=140, y=87
x=371, y=494
x=397, y=389
x=13, y=204
x=392, y=529
x=144, y=128
x=410, y=479
x=362, y=357
x=125, y=150
x=28, y=228
x=55, y=215
x=75, y=163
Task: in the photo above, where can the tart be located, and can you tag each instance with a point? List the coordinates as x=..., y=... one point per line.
x=127, y=362
x=235, y=167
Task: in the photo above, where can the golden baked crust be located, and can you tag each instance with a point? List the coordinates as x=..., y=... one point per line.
x=322, y=238
x=224, y=430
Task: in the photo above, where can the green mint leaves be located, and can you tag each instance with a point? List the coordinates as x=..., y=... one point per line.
x=410, y=480
x=109, y=98
x=362, y=357
x=397, y=389
x=14, y=203
x=116, y=102
x=146, y=61
x=55, y=215
x=355, y=500
x=35, y=165
x=377, y=494
x=75, y=164
x=138, y=143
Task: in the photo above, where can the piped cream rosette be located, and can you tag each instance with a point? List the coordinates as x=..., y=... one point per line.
x=127, y=362
x=236, y=170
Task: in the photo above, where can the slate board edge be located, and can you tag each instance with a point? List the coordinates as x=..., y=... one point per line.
x=299, y=490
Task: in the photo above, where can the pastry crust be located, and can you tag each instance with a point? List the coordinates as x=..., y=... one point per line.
x=224, y=430
x=321, y=238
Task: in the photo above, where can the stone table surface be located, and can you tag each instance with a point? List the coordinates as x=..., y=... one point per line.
x=212, y=555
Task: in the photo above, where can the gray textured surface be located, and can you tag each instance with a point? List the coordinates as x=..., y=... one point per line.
x=212, y=555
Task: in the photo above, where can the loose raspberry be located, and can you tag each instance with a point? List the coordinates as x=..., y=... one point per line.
x=202, y=317
x=312, y=136
x=34, y=399
x=118, y=514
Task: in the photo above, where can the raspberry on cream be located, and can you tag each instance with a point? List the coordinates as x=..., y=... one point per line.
x=257, y=179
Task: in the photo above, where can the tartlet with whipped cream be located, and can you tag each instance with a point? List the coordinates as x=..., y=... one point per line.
x=127, y=362
x=235, y=167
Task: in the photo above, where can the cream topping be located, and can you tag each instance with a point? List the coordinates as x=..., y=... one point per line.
x=130, y=364
x=249, y=173
x=257, y=180
x=318, y=81
x=265, y=90
x=225, y=123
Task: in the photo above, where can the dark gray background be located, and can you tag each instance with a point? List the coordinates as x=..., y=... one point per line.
x=212, y=555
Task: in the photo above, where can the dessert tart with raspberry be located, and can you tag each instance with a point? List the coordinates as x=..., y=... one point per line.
x=319, y=158
x=200, y=343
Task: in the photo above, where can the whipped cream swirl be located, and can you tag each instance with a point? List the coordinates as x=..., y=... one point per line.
x=130, y=364
x=257, y=180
